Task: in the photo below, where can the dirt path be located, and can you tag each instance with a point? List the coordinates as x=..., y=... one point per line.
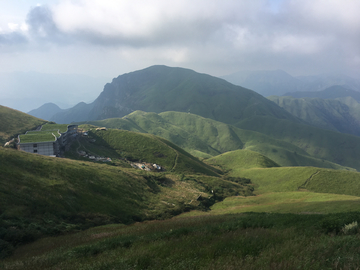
x=303, y=186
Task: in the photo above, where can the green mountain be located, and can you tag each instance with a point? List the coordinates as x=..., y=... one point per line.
x=13, y=122
x=206, y=137
x=161, y=88
x=323, y=113
x=323, y=144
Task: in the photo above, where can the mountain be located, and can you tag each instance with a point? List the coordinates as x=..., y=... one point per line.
x=335, y=91
x=46, y=111
x=161, y=88
x=323, y=81
x=323, y=113
x=14, y=122
x=205, y=137
x=278, y=82
x=266, y=82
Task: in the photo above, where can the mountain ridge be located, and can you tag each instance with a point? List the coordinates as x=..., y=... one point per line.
x=161, y=88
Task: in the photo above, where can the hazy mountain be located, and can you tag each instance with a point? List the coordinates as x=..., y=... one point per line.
x=324, y=113
x=26, y=91
x=336, y=91
x=278, y=82
x=266, y=82
x=161, y=88
x=46, y=111
x=323, y=81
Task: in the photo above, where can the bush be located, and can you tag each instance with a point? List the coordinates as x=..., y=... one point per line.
x=351, y=228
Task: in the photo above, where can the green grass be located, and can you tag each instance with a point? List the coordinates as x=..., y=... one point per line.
x=148, y=148
x=322, y=144
x=289, y=202
x=244, y=159
x=40, y=195
x=205, y=137
x=323, y=113
x=39, y=136
x=13, y=122
x=241, y=241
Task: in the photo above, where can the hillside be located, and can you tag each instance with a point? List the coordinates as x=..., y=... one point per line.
x=205, y=137
x=322, y=144
x=13, y=122
x=323, y=113
x=41, y=195
x=161, y=88
x=133, y=146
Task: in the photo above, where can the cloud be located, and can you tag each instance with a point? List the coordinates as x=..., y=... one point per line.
x=295, y=35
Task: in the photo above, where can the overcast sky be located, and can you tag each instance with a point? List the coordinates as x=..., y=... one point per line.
x=108, y=38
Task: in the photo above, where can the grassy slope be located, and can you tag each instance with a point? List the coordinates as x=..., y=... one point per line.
x=152, y=149
x=336, y=147
x=203, y=137
x=328, y=114
x=247, y=241
x=14, y=122
x=38, y=192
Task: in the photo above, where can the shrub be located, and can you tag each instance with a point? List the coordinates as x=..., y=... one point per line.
x=350, y=228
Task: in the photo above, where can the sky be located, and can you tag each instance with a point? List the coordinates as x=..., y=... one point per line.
x=106, y=38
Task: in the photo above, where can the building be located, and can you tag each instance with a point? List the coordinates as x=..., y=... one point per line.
x=50, y=140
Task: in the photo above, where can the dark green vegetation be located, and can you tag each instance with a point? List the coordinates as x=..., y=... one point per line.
x=160, y=88
x=13, y=122
x=242, y=241
x=205, y=138
x=330, y=114
x=41, y=195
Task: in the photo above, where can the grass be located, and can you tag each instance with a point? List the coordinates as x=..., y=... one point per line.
x=14, y=122
x=241, y=241
x=39, y=136
x=289, y=202
x=148, y=148
x=322, y=144
x=205, y=137
x=40, y=195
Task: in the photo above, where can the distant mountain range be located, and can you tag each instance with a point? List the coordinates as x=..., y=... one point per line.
x=278, y=82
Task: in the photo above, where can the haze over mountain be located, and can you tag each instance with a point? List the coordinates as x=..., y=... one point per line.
x=26, y=91
x=332, y=92
x=161, y=88
x=279, y=82
x=46, y=111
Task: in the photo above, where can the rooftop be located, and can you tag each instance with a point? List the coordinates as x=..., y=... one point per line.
x=39, y=136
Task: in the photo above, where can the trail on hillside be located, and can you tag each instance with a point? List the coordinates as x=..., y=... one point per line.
x=176, y=152
x=303, y=186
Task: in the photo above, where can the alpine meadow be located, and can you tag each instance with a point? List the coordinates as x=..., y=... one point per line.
x=169, y=168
